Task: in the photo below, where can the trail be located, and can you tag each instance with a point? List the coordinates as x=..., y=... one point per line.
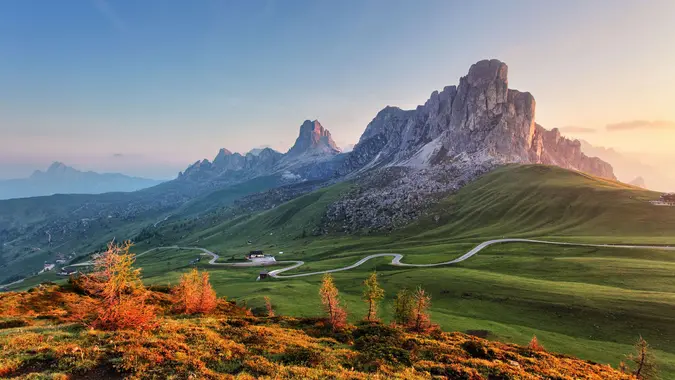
x=396, y=257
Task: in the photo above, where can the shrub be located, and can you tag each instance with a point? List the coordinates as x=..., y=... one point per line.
x=534, y=345
x=268, y=306
x=194, y=294
x=477, y=349
x=378, y=344
x=302, y=356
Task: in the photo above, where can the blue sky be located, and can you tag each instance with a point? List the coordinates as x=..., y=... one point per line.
x=147, y=87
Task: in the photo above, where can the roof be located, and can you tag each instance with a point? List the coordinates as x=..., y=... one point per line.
x=263, y=271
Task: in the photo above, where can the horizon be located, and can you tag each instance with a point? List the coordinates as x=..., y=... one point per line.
x=147, y=89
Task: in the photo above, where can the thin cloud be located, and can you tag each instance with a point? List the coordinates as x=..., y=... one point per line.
x=575, y=129
x=104, y=7
x=640, y=124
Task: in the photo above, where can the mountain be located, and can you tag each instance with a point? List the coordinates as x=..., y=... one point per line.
x=313, y=147
x=314, y=139
x=639, y=182
x=62, y=179
x=655, y=170
x=480, y=120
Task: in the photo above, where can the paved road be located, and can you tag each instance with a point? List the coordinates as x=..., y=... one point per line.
x=396, y=257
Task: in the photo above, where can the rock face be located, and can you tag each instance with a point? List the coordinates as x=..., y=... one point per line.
x=481, y=118
x=550, y=148
x=313, y=139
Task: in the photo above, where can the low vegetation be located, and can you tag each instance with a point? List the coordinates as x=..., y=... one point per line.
x=38, y=339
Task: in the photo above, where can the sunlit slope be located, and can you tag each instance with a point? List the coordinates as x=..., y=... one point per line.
x=536, y=200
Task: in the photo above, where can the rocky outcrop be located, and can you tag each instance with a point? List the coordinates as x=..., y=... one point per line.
x=313, y=139
x=481, y=118
x=551, y=148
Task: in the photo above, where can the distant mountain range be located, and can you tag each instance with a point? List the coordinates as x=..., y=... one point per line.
x=643, y=170
x=62, y=179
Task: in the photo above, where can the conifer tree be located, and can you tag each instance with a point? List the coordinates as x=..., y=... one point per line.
x=337, y=316
x=645, y=364
x=372, y=294
x=403, y=307
x=119, y=297
x=194, y=294
x=422, y=302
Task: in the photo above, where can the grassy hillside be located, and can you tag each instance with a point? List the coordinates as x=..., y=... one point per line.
x=39, y=338
x=535, y=200
x=589, y=302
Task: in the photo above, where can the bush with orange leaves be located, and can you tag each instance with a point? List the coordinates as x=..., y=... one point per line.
x=117, y=296
x=194, y=294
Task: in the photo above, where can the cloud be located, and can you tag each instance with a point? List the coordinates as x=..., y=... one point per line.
x=640, y=124
x=104, y=7
x=118, y=155
x=575, y=129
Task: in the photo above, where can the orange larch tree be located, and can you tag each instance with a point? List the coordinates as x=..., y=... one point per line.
x=422, y=302
x=118, y=295
x=337, y=315
x=194, y=294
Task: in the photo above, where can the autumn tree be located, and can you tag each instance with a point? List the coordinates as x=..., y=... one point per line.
x=372, y=294
x=268, y=306
x=194, y=294
x=643, y=358
x=534, y=344
x=118, y=295
x=422, y=302
x=337, y=316
x=403, y=307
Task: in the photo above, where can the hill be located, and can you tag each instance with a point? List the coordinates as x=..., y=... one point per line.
x=38, y=339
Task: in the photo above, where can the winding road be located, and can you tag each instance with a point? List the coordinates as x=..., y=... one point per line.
x=396, y=257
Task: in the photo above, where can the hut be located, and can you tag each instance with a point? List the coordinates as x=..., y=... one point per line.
x=255, y=255
x=264, y=274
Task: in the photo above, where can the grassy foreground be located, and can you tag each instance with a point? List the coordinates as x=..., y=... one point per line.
x=39, y=340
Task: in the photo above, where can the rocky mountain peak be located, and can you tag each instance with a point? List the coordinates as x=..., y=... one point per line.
x=56, y=169
x=487, y=71
x=480, y=120
x=313, y=139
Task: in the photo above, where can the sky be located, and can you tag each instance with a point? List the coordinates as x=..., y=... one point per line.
x=147, y=87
